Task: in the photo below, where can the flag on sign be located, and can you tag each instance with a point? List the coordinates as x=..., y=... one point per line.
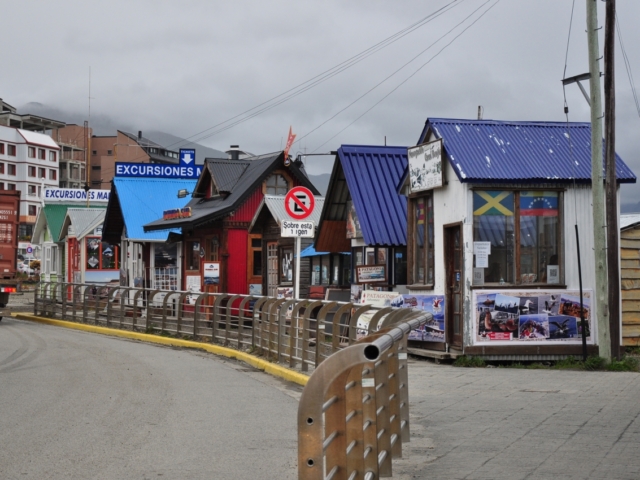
x=290, y=140
x=493, y=203
x=539, y=204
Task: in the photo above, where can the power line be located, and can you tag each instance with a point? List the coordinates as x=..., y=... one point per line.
x=322, y=77
x=409, y=77
x=627, y=65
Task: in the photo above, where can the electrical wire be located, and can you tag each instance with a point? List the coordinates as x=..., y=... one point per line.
x=406, y=79
x=627, y=65
x=566, y=112
x=320, y=78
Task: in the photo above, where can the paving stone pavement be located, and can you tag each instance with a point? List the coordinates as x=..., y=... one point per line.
x=499, y=423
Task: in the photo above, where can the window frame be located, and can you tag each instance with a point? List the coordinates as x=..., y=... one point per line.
x=115, y=256
x=31, y=171
x=277, y=173
x=42, y=155
x=11, y=150
x=560, y=239
x=1, y=148
x=1, y=168
x=53, y=174
x=53, y=157
x=413, y=282
x=35, y=210
x=31, y=152
x=12, y=169
x=282, y=277
x=192, y=254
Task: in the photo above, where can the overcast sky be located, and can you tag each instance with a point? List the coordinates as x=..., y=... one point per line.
x=184, y=67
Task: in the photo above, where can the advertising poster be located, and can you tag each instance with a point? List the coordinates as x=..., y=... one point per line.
x=432, y=332
x=193, y=285
x=353, y=223
x=425, y=166
x=211, y=273
x=524, y=316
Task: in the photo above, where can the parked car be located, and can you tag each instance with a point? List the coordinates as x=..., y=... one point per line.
x=23, y=267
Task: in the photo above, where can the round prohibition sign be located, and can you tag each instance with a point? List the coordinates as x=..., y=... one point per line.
x=299, y=203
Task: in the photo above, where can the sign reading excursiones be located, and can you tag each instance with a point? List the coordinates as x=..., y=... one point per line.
x=155, y=170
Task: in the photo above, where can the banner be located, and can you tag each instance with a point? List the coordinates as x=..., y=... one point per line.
x=525, y=316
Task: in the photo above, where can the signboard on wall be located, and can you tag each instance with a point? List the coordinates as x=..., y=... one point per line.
x=514, y=317
x=432, y=332
x=156, y=170
x=425, y=166
x=75, y=195
x=211, y=273
x=371, y=274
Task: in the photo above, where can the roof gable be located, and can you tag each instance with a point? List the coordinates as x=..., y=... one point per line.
x=491, y=151
x=241, y=182
x=369, y=175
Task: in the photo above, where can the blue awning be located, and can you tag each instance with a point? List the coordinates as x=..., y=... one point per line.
x=143, y=200
x=311, y=252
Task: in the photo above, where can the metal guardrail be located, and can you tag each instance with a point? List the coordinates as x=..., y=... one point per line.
x=298, y=333
x=354, y=411
x=353, y=415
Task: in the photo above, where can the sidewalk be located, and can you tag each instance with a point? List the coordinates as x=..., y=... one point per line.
x=498, y=423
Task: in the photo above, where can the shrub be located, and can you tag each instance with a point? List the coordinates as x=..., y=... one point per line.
x=594, y=363
x=469, y=362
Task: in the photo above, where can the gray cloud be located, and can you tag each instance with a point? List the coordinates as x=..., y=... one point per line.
x=182, y=67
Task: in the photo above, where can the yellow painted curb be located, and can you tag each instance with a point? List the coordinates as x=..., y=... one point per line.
x=260, y=364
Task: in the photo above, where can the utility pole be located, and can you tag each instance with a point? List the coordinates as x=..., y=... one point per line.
x=597, y=188
x=613, y=260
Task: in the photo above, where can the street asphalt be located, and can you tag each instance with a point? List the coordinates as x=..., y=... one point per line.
x=81, y=405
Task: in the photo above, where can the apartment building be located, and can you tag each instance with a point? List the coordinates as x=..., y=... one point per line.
x=72, y=140
x=29, y=163
x=123, y=147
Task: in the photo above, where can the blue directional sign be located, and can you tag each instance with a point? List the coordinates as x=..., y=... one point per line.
x=157, y=170
x=187, y=157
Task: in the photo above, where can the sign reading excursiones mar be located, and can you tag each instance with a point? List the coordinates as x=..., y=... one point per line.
x=155, y=170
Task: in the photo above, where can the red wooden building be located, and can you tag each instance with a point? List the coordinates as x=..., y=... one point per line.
x=215, y=222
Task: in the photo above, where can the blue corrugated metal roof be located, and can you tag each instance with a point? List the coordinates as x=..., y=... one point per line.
x=372, y=175
x=142, y=200
x=483, y=151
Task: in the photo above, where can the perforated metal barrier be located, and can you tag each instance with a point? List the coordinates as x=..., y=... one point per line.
x=354, y=412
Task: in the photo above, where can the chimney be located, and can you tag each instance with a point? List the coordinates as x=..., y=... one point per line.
x=234, y=152
x=139, y=134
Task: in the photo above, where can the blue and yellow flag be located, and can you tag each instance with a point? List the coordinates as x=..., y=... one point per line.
x=490, y=202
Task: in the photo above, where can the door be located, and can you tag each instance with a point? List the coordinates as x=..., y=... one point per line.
x=272, y=269
x=453, y=261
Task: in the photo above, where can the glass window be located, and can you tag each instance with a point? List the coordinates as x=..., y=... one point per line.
x=11, y=150
x=165, y=266
x=31, y=152
x=52, y=156
x=276, y=185
x=101, y=255
x=535, y=231
x=422, y=242
x=286, y=265
x=33, y=210
x=1, y=167
x=41, y=173
x=53, y=175
x=11, y=170
x=400, y=266
x=1, y=148
x=31, y=171
x=193, y=255
x=41, y=154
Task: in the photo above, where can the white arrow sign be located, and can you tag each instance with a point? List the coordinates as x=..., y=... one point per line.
x=187, y=158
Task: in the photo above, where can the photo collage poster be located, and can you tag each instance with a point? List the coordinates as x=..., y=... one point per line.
x=531, y=316
x=434, y=304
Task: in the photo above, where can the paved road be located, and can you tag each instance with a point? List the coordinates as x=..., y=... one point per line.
x=75, y=405
x=495, y=423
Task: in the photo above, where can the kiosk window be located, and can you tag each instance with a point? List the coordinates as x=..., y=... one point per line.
x=422, y=240
x=516, y=237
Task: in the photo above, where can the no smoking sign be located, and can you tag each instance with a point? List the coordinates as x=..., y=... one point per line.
x=299, y=203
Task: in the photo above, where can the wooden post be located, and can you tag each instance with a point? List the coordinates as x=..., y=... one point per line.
x=613, y=247
x=597, y=189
